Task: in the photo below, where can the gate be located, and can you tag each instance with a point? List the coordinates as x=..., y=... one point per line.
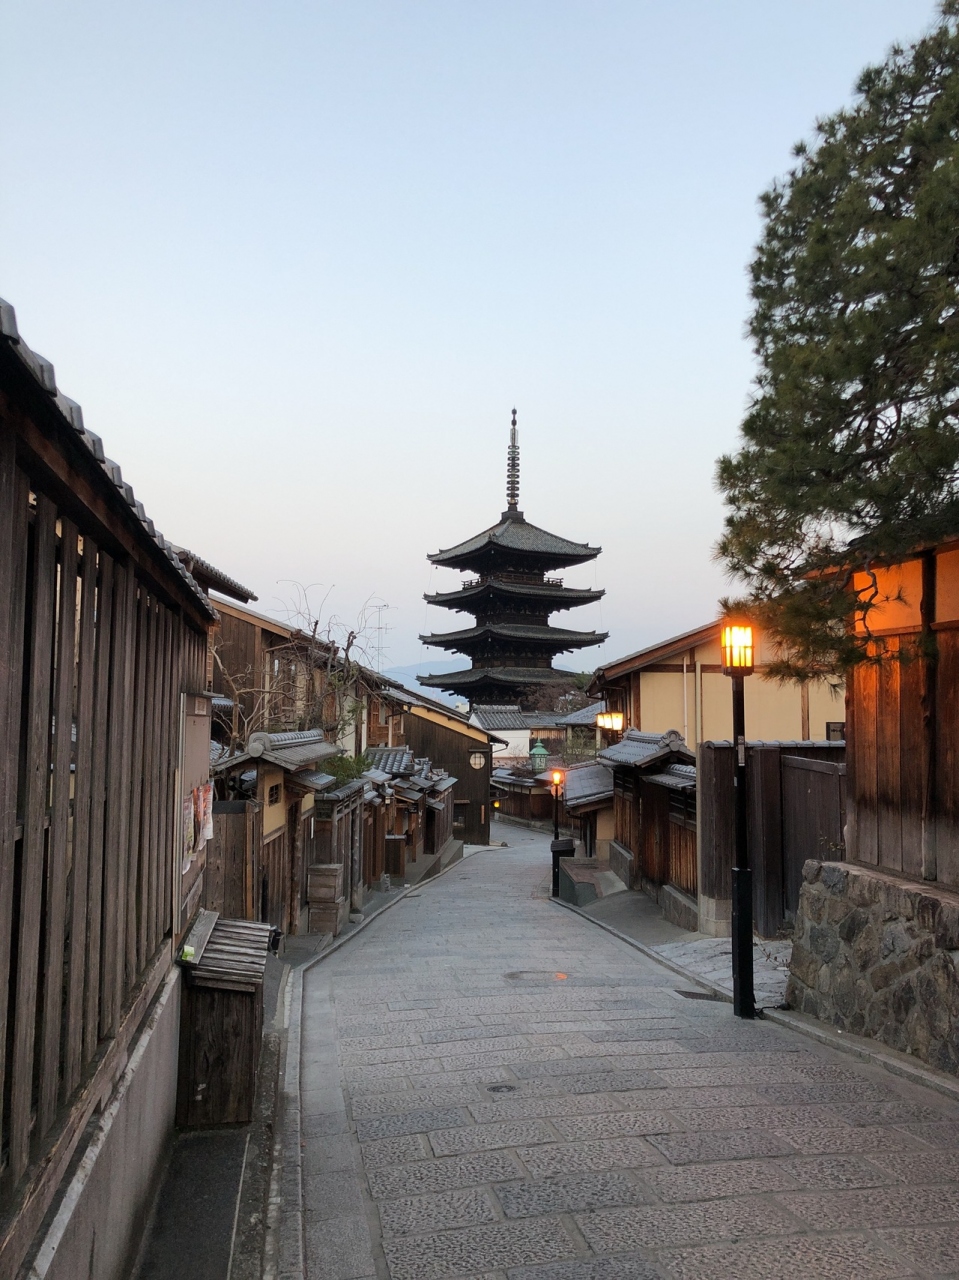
x=814, y=807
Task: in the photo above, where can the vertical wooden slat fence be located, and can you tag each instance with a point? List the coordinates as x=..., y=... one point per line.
x=94, y=654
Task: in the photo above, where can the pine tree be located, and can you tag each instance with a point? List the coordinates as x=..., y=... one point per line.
x=851, y=442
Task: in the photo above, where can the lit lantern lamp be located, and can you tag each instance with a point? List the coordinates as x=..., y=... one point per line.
x=738, y=661
x=737, y=647
x=612, y=721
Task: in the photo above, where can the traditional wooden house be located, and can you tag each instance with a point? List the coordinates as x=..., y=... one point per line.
x=423, y=813
x=876, y=938
x=654, y=816
x=588, y=801
x=678, y=683
x=267, y=830
x=104, y=772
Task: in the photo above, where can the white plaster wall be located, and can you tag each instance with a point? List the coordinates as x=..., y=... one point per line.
x=101, y=1215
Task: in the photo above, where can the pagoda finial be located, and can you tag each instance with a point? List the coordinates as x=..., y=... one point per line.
x=512, y=468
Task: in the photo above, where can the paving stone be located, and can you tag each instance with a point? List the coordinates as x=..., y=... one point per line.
x=919, y=1168
x=932, y=1250
x=436, y=1212
x=390, y=1151
x=718, y=1181
x=420, y=1100
x=440, y=1175
x=863, y=1092
x=370, y=1128
x=473, y=1075
x=625, y=1268
x=937, y=1133
x=610, y=1081
x=624, y=1230
x=328, y=1155
x=711, y=1076
x=838, y=1257
x=837, y=1171
x=572, y=1157
x=470, y=1249
x=357, y=1044
x=339, y=1248
x=442, y=1035
x=876, y=1207
x=884, y=1112
x=569, y=1192
x=556, y=1104
x=740, y=1144
x=697, y=1119
x=616, y=1124
x=484, y=1137
x=840, y=1139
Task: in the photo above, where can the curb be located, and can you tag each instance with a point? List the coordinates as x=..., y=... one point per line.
x=897, y=1064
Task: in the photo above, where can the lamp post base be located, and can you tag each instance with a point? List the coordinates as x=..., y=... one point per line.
x=560, y=848
x=744, y=1000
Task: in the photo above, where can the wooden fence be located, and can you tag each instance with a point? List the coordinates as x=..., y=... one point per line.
x=796, y=811
x=94, y=654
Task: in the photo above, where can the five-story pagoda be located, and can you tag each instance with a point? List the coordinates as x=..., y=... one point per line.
x=512, y=645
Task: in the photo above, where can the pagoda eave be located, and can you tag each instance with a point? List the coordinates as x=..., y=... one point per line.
x=550, y=597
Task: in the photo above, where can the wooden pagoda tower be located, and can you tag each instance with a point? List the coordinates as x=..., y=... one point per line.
x=511, y=645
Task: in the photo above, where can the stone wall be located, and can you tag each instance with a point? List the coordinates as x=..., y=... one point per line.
x=878, y=955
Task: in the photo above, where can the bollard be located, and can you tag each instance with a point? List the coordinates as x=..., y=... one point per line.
x=562, y=848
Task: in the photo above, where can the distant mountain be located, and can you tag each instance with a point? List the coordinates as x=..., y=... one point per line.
x=409, y=678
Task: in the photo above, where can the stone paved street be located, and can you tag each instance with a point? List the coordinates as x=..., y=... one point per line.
x=491, y=1086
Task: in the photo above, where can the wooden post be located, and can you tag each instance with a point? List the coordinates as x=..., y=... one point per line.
x=930, y=665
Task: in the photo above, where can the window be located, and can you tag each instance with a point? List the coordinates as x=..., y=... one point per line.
x=682, y=808
x=477, y=760
x=273, y=795
x=835, y=731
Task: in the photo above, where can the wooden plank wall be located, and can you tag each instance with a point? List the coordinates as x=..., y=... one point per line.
x=92, y=662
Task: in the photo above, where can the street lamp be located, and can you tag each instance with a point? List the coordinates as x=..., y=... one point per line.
x=737, y=649
x=610, y=720
x=557, y=781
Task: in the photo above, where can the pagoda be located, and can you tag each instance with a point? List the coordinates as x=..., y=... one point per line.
x=511, y=645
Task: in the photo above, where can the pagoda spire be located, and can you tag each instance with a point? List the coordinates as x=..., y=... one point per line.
x=512, y=470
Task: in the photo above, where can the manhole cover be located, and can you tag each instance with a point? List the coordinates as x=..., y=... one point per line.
x=501, y=1088
x=700, y=995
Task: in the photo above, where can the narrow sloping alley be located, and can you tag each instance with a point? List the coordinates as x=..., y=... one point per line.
x=492, y=1086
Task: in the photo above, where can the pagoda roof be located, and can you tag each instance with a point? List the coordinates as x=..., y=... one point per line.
x=510, y=677
x=554, y=592
x=514, y=534
x=557, y=638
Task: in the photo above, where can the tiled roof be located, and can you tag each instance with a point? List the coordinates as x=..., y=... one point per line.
x=510, y=676
x=637, y=748
x=587, y=783
x=286, y=750
x=211, y=578
x=678, y=776
x=584, y=716
x=72, y=417
x=515, y=534
x=566, y=597
x=396, y=761
x=557, y=638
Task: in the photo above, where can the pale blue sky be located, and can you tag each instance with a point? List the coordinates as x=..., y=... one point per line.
x=298, y=261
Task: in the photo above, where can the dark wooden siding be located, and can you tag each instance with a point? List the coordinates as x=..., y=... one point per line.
x=94, y=655
x=451, y=750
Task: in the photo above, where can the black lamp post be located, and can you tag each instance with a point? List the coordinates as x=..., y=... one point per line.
x=560, y=848
x=737, y=647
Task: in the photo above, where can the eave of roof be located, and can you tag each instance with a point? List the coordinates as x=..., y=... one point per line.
x=655, y=653
x=557, y=638
x=536, y=591
x=515, y=534
x=511, y=677
x=211, y=578
x=69, y=415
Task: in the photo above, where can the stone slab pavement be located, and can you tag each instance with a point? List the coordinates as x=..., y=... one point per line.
x=490, y=1087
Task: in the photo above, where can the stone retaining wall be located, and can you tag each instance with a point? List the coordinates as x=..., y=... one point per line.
x=878, y=955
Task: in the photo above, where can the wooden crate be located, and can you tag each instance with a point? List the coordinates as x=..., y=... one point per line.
x=324, y=882
x=328, y=917
x=221, y=1021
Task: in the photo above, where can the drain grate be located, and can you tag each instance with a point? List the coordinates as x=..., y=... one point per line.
x=501, y=1088
x=700, y=995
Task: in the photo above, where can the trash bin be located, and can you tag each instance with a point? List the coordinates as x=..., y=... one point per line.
x=221, y=1020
